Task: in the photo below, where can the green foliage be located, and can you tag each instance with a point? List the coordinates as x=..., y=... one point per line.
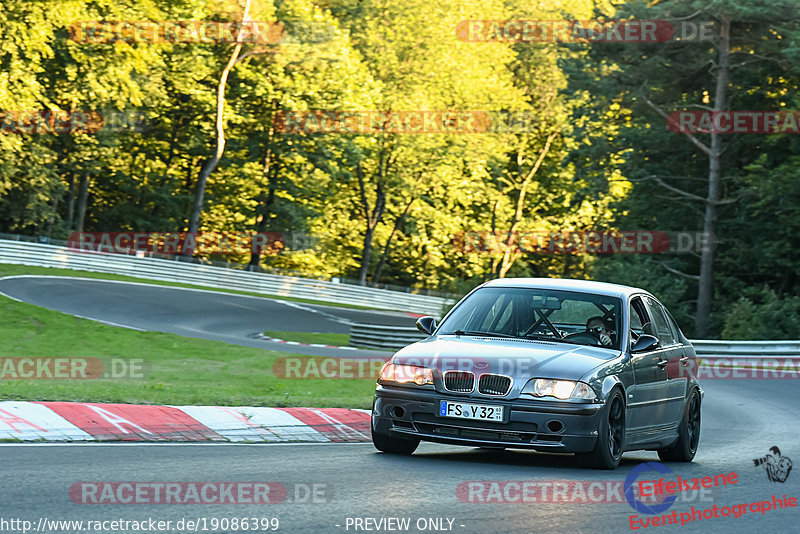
x=629, y=87
x=646, y=272
x=763, y=315
x=602, y=145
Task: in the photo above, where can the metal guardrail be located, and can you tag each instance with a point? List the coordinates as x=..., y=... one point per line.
x=397, y=337
x=383, y=337
x=746, y=349
x=201, y=260
x=44, y=255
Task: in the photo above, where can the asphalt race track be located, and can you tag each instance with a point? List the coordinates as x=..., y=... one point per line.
x=195, y=313
x=741, y=420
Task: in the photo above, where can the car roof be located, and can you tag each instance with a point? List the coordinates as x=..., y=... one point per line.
x=567, y=284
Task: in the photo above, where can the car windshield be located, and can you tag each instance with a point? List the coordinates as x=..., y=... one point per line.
x=571, y=317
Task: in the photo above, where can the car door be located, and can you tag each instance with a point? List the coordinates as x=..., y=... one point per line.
x=686, y=367
x=646, y=399
x=671, y=353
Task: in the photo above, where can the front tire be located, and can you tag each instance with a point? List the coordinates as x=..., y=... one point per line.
x=610, y=436
x=688, y=435
x=391, y=445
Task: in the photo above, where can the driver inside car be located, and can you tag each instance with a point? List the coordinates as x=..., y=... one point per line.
x=597, y=327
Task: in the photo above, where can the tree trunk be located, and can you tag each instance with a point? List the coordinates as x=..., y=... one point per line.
x=504, y=264
x=211, y=164
x=70, y=200
x=366, y=251
x=53, y=214
x=397, y=222
x=264, y=211
x=373, y=219
x=264, y=207
x=82, y=198
x=493, y=268
x=705, y=293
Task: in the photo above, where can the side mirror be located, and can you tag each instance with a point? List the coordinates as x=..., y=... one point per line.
x=426, y=324
x=644, y=343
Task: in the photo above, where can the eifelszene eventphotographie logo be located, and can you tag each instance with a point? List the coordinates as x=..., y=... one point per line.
x=777, y=466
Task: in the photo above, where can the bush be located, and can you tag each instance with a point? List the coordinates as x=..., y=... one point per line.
x=646, y=273
x=763, y=316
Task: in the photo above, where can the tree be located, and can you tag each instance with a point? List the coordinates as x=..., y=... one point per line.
x=219, y=130
x=638, y=85
x=406, y=59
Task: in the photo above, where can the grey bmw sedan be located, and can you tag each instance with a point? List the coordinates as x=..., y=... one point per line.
x=571, y=366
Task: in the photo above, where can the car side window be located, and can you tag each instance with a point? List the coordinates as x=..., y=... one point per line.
x=676, y=331
x=662, y=327
x=638, y=316
x=636, y=320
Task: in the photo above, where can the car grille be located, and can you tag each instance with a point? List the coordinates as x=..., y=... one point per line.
x=511, y=426
x=459, y=381
x=477, y=434
x=490, y=384
x=402, y=424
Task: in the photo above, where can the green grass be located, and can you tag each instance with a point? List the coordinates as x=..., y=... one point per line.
x=341, y=340
x=7, y=269
x=178, y=370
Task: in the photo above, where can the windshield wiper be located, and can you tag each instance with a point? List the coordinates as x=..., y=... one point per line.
x=542, y=337
x=528, y=336
x=554, y=339
x=476, y=333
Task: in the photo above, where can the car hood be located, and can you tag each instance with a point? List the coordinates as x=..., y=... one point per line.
x=517, y=358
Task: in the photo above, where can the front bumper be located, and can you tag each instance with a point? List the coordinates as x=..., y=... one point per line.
x=542, y=425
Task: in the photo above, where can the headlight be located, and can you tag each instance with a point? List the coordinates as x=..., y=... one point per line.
x=405, y=374
x=560, y=389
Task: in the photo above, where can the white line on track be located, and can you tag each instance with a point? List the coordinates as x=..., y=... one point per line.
x=74, y=315
x=279, y=301
x=155, y=283
x=9, y=296
x=110, y=323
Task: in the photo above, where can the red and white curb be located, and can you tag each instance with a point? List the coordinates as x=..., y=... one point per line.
x=84, y=421
x=276, y=340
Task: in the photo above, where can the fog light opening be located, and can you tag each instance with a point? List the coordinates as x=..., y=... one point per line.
x=555, y=426
x=398, y=411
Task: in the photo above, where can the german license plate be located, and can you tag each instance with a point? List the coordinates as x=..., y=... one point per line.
x=463, y=410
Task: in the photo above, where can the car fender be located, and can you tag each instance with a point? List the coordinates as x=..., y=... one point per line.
x=608, y=383
x=610, y=375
